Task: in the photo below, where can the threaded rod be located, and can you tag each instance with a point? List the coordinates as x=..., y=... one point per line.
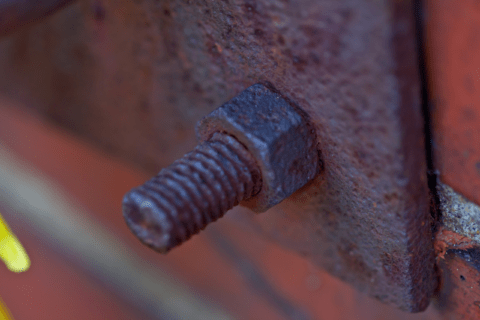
x=192, y=192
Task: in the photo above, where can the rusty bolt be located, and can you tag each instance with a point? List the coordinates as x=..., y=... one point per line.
x=278, y=136
x=255, y=150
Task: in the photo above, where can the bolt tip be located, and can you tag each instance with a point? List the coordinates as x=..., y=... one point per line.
x=147, y=222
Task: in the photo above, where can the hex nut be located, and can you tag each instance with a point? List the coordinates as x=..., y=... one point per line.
x=278, y=136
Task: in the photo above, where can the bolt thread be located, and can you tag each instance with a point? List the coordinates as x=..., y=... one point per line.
x=192, y=192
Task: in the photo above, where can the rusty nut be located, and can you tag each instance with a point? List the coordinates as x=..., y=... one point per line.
x=276, y=133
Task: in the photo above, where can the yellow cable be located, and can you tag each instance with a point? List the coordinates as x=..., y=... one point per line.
x=4, y=313
x=11, y=250
x=14, y=256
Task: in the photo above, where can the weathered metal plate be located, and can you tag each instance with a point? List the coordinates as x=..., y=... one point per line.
x=136, y=79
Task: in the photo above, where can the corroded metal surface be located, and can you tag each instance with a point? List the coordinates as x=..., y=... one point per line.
x=136, y=78
x=453, y=47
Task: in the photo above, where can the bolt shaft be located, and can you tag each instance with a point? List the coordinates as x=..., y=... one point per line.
x=192, y=192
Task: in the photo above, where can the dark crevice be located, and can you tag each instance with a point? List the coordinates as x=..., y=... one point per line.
x=432, y=173
x=470, y=256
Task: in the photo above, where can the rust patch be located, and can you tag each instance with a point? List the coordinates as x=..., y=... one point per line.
x=445, y=240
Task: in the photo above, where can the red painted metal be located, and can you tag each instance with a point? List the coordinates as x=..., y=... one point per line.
x=453, y=61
